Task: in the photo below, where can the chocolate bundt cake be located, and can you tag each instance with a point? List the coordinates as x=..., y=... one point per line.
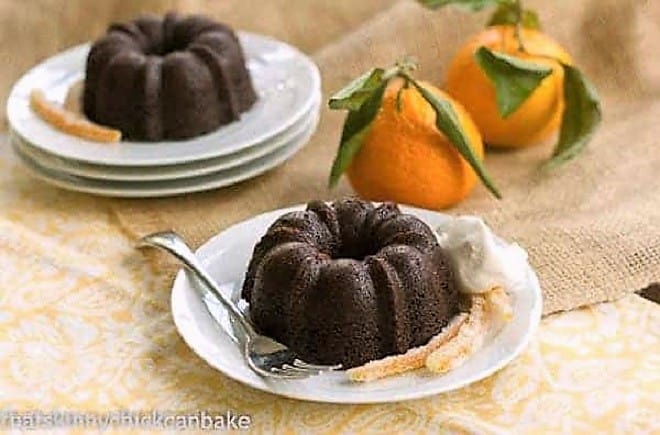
x=349, y=282
x=167, y=78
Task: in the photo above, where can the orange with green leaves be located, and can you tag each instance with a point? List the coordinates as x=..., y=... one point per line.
x=407, y=141
x=519, y=85
x=510, y=84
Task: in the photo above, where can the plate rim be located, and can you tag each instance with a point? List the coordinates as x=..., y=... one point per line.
x=202, y=167
x=295, y=147
x=181, y=281
x=15, y=98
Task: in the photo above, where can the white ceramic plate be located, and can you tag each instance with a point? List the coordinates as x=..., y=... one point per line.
x=226, y=257
x=147, y=189
x=168, y=172
x=286, y=82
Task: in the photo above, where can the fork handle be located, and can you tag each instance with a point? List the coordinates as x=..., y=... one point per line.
x=175, y=245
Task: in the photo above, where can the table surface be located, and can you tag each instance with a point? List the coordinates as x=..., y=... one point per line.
x=84, y=325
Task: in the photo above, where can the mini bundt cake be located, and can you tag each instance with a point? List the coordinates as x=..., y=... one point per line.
x=349, y=282
x=167, y=78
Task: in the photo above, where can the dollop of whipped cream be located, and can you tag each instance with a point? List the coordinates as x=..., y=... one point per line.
x=480, y=259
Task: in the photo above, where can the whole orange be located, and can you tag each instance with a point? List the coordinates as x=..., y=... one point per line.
x=406, y=159
x=539, y=116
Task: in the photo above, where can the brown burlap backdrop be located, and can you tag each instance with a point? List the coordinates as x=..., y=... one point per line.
x=592, y=228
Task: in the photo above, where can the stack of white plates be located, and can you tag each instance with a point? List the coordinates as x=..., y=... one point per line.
x=279, y=125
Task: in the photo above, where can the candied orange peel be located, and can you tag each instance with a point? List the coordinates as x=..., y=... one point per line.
x=413, y=359
x=461, y=338
x=70, y=122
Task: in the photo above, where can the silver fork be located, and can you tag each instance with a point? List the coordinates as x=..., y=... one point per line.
x=265, y=356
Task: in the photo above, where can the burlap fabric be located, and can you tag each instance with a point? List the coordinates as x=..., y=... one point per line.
x=592, y=228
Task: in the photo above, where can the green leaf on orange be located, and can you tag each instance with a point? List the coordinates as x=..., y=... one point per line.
x=448, y=123
x=473, y=5
x=514, y=79
x=530, y=19
x=356, y=127
x=354, y=94
x=581, y=117
x=512, y=14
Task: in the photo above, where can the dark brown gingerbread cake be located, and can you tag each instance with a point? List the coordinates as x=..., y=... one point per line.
x=349, y=282
x=167, y=78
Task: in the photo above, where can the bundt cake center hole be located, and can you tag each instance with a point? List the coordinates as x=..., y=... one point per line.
x=358, y=253
x=167, y=46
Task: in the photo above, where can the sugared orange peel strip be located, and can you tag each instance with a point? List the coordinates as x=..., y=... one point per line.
x=498, y=303
x=69, y=122
x=413, y=359
x=467, y=341
x=461, y=338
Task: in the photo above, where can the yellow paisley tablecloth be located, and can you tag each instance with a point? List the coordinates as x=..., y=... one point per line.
x=84, y=325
